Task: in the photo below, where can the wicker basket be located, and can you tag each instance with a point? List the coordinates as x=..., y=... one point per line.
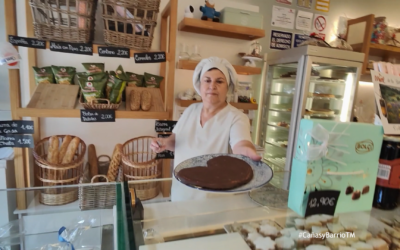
x=64, y=20
x=91, y=105
x=130, y=23
x=51, y=175
x=97, y=196
x=139, y=163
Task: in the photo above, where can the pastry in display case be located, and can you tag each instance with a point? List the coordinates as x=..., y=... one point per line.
x=305, y=82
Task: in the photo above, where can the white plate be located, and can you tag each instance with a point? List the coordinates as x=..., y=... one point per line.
x=262, y=173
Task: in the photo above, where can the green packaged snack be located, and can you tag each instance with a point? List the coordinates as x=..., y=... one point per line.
x=43, y=75
x=64, y=75
x=117, y=90
x=112, y=80
x=87, y=77
x=152, y=81
x=92, y=90
x=120, y=73
x=93, y=68
x=134, y=80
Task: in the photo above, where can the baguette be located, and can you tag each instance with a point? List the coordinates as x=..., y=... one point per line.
x=134, y=100
x=93, y=163
x=72, y=147
x=52, y=155
x=64, y=147
x=145, y=100
x=115, y=163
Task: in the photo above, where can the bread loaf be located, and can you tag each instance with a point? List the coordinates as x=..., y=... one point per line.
x=145, y=100
x=72, y=147
x=135, y=100
x=93, y=163
x=52, y=154
x=64, y=147
x=115, y=163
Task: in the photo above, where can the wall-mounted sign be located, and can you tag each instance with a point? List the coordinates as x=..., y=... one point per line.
x=283, y=17
x=322, y=5
x=16, y=127
x=101, y=115
x=16, y=141
x=74, y=48
x=164, y=126
x=27, y=42
x=150, y=57
x=280, y=40
x=113, y=52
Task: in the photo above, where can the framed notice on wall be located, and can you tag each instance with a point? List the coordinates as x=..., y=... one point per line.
x=387, y=97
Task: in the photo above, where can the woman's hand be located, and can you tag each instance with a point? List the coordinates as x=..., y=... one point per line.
x=161, y=144
x=158, y=145
x=246, y=148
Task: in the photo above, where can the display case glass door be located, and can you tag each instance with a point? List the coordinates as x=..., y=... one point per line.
x=277, y=112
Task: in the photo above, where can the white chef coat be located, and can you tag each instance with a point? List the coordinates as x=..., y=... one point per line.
x=224, y=129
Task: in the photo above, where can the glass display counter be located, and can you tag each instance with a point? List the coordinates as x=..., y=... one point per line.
x=222, y=221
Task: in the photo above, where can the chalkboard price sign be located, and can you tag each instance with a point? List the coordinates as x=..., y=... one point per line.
x=16, y=141
x=74, y=48
x=322, y=202
x=101, y=115
x=114, y=52
x=16, y=127
x=150, y=57
x=27, y=42
x=165, y=155
x=164, y=126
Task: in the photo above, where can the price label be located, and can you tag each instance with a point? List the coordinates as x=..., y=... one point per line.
x=16, y=127
x=114, y=52
x=150, y=57
x=92, y=115
x=27, y=42
x=16, y=141
x=165, y=155
x=165, y=126
x=74, y=48
x=322, y=202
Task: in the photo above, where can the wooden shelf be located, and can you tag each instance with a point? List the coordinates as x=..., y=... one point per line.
x=220, y=29
x=380, y=50
x=238, y=105
x=132, y=51
x=241, y=70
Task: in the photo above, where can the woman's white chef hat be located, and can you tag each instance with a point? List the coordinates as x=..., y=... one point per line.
x=215, y=62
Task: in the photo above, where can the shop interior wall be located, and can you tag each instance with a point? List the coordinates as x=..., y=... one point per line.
x=4, y=88
x=106, y=135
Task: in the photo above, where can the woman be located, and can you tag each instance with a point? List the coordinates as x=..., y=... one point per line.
x=209, y=127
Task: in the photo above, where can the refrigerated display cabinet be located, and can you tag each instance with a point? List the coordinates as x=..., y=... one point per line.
x=304, y=82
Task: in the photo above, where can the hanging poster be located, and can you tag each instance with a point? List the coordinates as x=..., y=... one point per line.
x=305, y=3
x=304, y=20
x=387, y=97
x=283, y=17
x=298, y=39
x=322, y=5
x=320, y=23
x=289, y=2
x=280, y=40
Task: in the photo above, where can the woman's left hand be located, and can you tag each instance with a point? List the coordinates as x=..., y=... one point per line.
x=246, y=148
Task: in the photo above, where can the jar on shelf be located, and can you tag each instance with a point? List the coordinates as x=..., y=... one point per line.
x=244, y=92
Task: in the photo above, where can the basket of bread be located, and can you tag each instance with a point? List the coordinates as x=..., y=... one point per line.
x=139, y=163
x=59, y=162
x=100, y=193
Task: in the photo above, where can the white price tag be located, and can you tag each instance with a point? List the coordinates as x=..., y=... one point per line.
x=384, y=171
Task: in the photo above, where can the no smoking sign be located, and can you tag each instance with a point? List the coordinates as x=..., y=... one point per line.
x=320, y=23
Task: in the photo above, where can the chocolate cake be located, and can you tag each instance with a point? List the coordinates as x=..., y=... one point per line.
x=221, y=173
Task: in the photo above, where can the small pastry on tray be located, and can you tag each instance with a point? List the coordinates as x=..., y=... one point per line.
x=334, y=243
x=384, y=236
x=361, y=246
x=378, y=244
x=364, y=235
x=287, y=231
x=268, y=231
x=284, y=243
x=264, y=244
x=335, y=228
x=317, y=247
x=299, y=223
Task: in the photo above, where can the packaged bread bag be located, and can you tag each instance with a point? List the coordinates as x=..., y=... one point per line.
x=115, y=87
x=152, y=81
x=64, y=75
x=92, y=90
x=43, y=75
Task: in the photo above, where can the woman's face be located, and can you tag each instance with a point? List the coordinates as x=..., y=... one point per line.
x=213, y=87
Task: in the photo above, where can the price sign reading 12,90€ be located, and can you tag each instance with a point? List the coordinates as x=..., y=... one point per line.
x=322, y=202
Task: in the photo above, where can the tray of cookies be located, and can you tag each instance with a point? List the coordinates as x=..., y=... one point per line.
x=313, y=233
